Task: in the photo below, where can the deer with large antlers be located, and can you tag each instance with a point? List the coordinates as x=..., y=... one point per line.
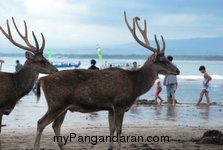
x=14, y=86
x=111, y=89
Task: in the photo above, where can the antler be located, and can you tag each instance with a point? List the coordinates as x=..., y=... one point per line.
x=144, y=34
x=25, y=38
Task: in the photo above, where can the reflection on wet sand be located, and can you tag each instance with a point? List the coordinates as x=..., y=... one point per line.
x=134, y=109
x=204, y=111
x=171, y=113
x=27, y=112
x=158, y=110
x=93, y=116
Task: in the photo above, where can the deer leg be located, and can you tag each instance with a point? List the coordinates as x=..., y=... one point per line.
x=111, y=121
x=119, y=115
x=1, y=130
x=57, y=126
x=49, y=117
x=1, y=122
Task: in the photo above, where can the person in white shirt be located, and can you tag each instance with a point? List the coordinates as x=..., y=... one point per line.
x=205, y=87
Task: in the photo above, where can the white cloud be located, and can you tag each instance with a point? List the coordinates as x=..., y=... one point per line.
x=67, y=23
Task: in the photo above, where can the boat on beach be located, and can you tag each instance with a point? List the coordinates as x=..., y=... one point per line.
x=62, y=64
x=65, y=64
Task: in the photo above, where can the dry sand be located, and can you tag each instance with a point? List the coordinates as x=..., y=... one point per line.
x=180, y=137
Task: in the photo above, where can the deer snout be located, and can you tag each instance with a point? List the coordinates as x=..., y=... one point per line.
x=55, y=70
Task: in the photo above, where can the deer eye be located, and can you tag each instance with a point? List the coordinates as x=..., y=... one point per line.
x=42, y=63
x=162, y=62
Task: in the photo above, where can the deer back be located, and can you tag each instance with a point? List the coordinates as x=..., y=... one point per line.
x=90, y=87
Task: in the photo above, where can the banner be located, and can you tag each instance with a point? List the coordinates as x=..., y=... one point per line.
x=99, y=52
x=49, y=53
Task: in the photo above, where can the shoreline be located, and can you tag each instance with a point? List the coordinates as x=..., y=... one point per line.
x=27, y=113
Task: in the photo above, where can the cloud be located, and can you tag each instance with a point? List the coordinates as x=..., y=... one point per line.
x=68, y=23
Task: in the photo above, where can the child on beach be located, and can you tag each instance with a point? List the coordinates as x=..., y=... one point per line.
x=158, y=90
x=206, y=86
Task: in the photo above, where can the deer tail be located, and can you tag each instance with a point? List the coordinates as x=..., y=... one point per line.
x=38, y=91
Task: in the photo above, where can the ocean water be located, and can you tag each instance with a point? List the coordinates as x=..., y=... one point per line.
x=189, y=87
x=189, y=80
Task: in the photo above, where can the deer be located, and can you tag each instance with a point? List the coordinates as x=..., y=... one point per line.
x=14, y=86
x=111, y=89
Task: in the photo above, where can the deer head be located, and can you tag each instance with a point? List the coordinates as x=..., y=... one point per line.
x=159, y=61
x=35, y=54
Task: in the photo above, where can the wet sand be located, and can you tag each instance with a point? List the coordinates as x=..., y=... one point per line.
x=184, y=124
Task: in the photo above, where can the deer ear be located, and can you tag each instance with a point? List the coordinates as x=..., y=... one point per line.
x=29, y=55
x=154, y=57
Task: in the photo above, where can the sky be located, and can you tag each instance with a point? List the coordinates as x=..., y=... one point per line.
x=79, y=23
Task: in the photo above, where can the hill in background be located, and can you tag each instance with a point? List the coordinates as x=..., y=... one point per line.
x=196, y=46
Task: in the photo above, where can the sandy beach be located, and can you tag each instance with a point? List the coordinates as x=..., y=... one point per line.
x=180, y=137
x=184, y=130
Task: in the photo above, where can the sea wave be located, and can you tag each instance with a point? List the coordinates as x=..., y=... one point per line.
x=197, y=77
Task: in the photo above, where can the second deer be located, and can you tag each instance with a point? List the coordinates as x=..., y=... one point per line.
x=112, y=89
x=13, y=86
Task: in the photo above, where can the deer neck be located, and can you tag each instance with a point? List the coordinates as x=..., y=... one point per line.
x=146, y=76
x=25, y=78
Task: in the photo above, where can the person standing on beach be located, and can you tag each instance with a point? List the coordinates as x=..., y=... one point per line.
x=127, y=67
x=206, y=86
x=18, y=66
x=158, y=90
x=134, y=66
x=170, y=81
x=174, y=90
x=93, y=67
x=93, y=63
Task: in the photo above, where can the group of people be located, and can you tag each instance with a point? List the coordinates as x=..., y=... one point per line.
x=127, y=67
x=170, y=81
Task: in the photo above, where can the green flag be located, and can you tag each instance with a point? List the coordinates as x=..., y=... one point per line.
x=49, y=53
x=99, y=52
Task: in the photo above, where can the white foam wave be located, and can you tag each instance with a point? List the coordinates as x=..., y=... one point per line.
x=197, y=77
x=194, y=77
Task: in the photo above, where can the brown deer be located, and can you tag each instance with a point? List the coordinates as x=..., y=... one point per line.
x=14, y=86
x=111, y=89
